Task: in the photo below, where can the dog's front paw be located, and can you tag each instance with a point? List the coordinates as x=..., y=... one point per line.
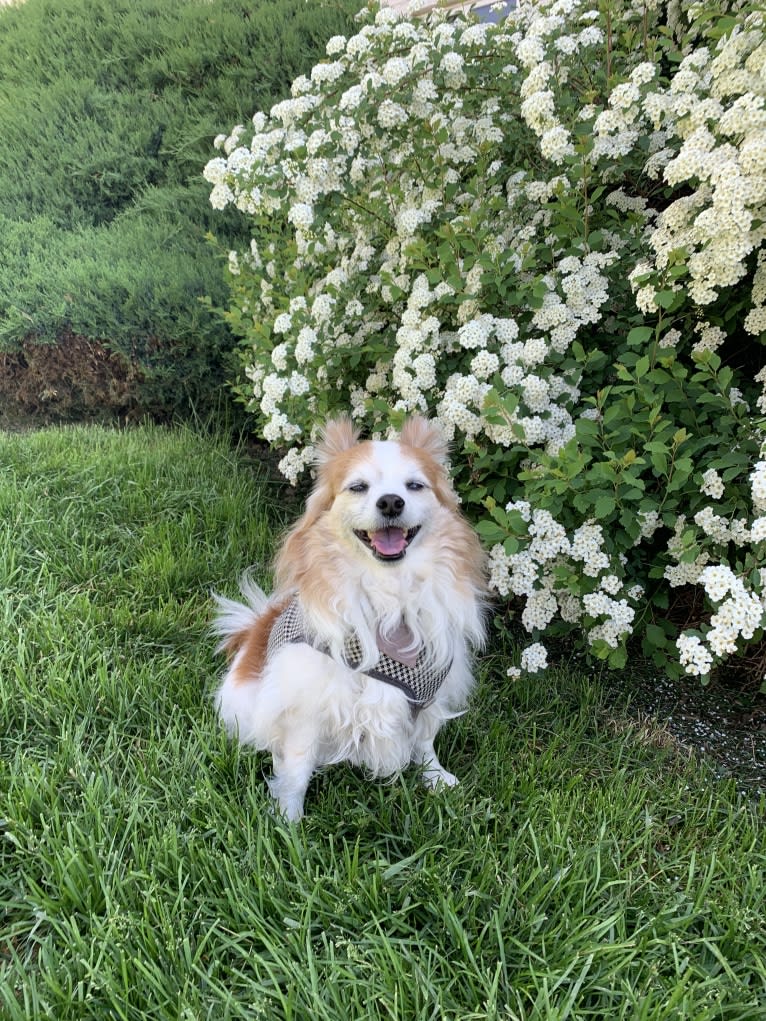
x=433, y=778
x=290, y=811
x=285, y=809
x=286, y=804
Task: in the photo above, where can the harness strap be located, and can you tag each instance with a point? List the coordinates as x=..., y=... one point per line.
x=418, y=680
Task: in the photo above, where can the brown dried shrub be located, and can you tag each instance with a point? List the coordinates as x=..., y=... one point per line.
x=73, y=379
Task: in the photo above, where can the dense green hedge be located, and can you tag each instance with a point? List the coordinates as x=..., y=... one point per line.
x=108, y=110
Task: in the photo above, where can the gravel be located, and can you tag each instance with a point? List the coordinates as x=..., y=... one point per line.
x=724, y=727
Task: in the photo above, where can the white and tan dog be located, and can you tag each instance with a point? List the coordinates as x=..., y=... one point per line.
x=363, y=650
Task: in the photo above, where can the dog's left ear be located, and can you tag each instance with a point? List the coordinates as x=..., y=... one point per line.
x=421, y=434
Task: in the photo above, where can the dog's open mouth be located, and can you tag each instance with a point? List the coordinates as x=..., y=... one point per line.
x=388, y=543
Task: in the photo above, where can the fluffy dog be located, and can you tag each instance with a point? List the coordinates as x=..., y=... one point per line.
x=363, y=650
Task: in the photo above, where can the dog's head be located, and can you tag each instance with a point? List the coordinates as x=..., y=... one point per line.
x=383, y=493
x=377, y=499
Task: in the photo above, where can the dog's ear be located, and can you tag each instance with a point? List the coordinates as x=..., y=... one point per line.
x=339, y=434
x=294, y=557
x=421, y=434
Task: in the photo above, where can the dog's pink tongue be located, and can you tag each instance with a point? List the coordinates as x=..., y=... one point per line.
x=388, y=541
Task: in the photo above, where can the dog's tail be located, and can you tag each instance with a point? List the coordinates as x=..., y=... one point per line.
x=233, y=619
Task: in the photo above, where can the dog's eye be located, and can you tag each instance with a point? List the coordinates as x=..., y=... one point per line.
x=415, y=487
x=358, y=487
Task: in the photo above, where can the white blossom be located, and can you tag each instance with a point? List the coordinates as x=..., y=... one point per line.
x=712, y=484
x=534, y=658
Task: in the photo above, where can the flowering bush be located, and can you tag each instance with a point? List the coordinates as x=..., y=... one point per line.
x=549, y=233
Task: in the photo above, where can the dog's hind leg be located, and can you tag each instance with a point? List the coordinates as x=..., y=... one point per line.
x=293, y=768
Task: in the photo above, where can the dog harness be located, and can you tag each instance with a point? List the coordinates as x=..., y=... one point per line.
x=417, y=679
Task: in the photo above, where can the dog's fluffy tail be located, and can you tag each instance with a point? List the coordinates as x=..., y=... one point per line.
x=233, y=618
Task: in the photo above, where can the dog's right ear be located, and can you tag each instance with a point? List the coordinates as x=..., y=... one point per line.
x=338, y=434
x=293, y=558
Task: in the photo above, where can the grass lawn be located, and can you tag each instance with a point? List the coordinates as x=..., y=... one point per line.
x=580, y=870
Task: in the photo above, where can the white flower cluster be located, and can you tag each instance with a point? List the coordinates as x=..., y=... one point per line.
x=272, y=175
x=693, y=656
x=340, y=134
x=712, y=484
x=739, y=614
x=758, y=484
x=739, y=596
x=684, y=571
x=713, y=113
x=549, y=552
x=534, y=658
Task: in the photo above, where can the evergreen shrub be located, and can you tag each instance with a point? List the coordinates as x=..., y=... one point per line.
x=549, y=233
x=108, y=109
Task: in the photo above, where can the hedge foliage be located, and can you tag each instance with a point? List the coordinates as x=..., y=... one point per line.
x=551, y=234
x=108, y=109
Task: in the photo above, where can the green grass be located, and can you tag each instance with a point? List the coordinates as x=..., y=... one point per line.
x=580, y=871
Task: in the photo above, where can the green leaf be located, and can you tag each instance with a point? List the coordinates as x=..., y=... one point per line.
x=604, y=506
x=499, y=515
x=660, y=464
x=665, y=299
x=586, y=429
x=600, y=649
x=516, y=522
x=656, y=636
x=614, y=414
x=490, y=532
x=639, y=335
x=642, y=366
x=618, y=658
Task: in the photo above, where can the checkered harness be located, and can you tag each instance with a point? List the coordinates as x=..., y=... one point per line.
x=419, y=683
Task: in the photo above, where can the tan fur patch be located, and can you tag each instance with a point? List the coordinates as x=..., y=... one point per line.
x=294, y=559
x=437, y=478
x=253, y=644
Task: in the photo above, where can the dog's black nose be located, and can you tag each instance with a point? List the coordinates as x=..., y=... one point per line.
x=390, y=505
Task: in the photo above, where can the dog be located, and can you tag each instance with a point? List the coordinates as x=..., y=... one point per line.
x=363, y=650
